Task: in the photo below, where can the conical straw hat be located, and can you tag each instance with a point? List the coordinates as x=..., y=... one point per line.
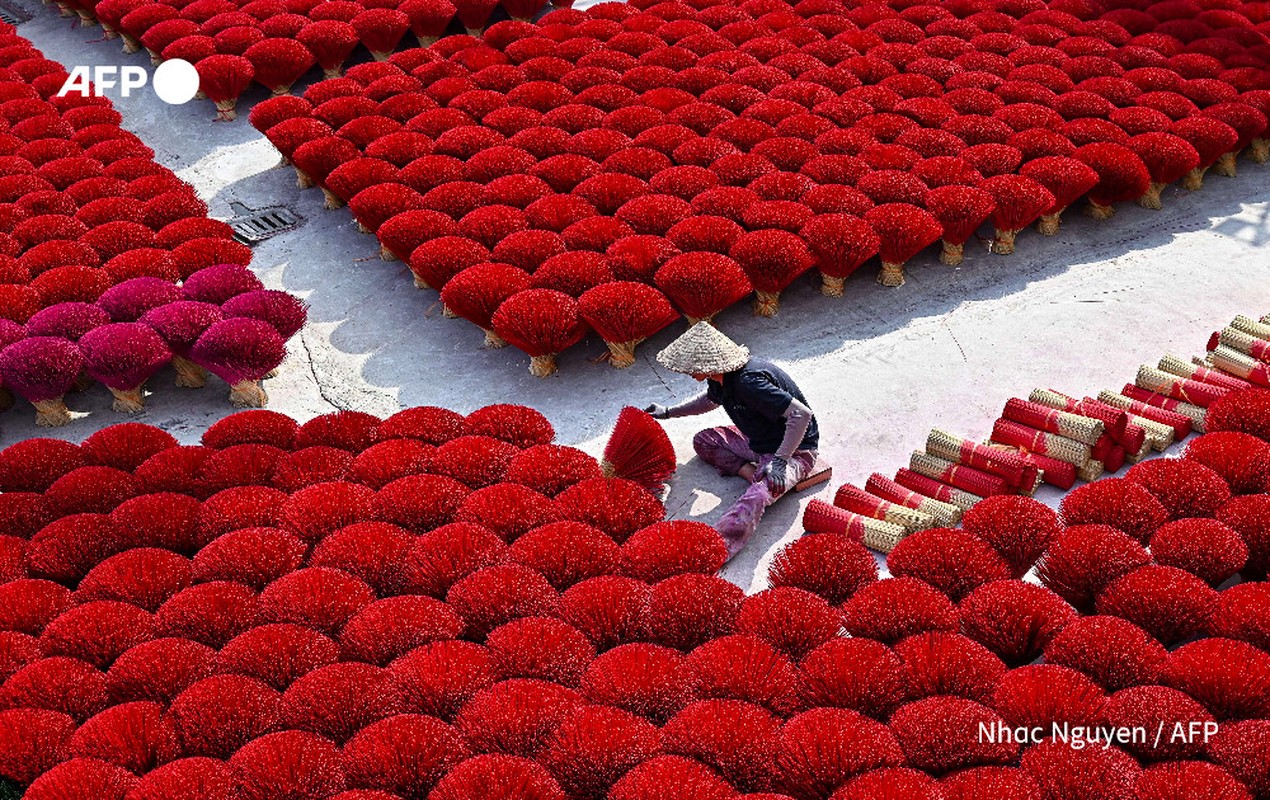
x=703, y=350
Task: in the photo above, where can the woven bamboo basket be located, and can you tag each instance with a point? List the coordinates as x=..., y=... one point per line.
x=931, y=487
x=1245, y=343
x=1115, y=422
x=1180, y=423
x=1153, y=398
x=1018, y=474
x=1035, y=441
x=1241, y=364
x=1252, y=327
x=1092, y=470
x=820, y=517
x=945, y=514
x=1082, y=429
x=858, y=501
x=1196, y=372
x=962, y=477
x=1188, y=391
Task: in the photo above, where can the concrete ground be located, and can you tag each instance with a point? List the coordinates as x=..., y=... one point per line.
x=1077, y=312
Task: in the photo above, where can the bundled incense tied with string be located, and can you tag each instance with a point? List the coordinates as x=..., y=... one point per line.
x=1155, y=435
x=858, y=501
x=1115, y=421
x=1037, y=441
x=1073, y=426
x=1252, y=327
x=1198, y=372
x=1180, y=423
x=1188, y=391
x=932, y=487
x=1154, y=398
x=1242, y=341
x=1056, y=473
x=820, y=517
x=946, y=514
x=1117, y=458
x=1241, y=364
x=1018, y=474
x=1091, y=471
x=958, y=475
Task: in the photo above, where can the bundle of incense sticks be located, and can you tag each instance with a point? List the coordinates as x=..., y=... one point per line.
x=1242, y=341
x=1153, y=398
x=932, y=487
x=1180, y=423
x=1091, y=471
x=1135, y=435
x=858, y=501
x=1072, y=426
x=1198, y=372
x=1036, y=441
x=946, y=514
x=1249, y=325
x=820, y=517
x=1021, y=476
x=1194, y=392
x=1059, y=474
x=1241, y=364
x=957, y=475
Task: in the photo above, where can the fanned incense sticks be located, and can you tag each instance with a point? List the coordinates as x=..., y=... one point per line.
x=962, y=477
x=1082, y=429
x=820, y=517
x=858, y=501
x=1018, y=474
x=946, y=514
x=936, y=489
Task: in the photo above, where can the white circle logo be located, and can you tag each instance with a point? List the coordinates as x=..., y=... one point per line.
x=176, y=81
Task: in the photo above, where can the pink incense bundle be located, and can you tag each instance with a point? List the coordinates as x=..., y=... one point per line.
x=1180, y=423
x=820, y=517
x=1072, y=426
x=858, y=501
x=241, y=352
x=1189, y=391
x=1194, y=413
x=41, y=369
x=123, y=356
x=946, y=514
x=937, y=489
x=639, y=450
x=1185, y=369
x=1020, y=476
x=1037, y=441
x=960, y=476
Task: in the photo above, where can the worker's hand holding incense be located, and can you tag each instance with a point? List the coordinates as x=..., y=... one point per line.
x=777, y=475
x=657, y=411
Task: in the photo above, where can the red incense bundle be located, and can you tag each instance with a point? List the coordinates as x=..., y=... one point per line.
x=1243, y=342
x=1020, y=476
x=960, y=476
x=1180, y=423
x=1153, y=398
x=946, y=514
x=1155, y=435
x=1195, y=372
x=1056, y=473
x=936, y=489
x=1245, y=366
x=858, y=501
x=1050, y=420
x=1193, y=392
x=1115, y=421
x=820, y=517
x=1115, y=459
x=1036, y=441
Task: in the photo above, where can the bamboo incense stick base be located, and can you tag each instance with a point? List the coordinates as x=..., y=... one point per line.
x=1099, y=211
x=380, y=55
x=128, y=401
x=448, y=313
x=420, y=283
x=86, y=19
x=361, y=228
x=1259, y=151
x=952, y=254
x=493, y=341
x=130, y=43
x=227, y=110
x=332, y=72
x=891, y=274
x=1194, y=180
x=766, y=304
x=426, y=41
x=385, y=254
x=1225, y=165
x=1049, y=224
x=330, y=200
x=475, y=33
x=248, y=394
x=82, y=383
x=622, y=354
x=302, y=179
x=1151, y=200
x=831, y=286
x=1003, y=242
x=542, y=366
x=281, y=90
x=188, y=374
x=51, y=413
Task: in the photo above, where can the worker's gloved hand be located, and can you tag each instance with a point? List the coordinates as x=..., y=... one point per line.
x=777, y=475
x=657, y=411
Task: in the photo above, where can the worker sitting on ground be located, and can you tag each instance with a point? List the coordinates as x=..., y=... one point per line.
x=772, y=441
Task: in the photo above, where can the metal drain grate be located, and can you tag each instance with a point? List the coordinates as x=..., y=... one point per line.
x=254, y=225
x=13, y=14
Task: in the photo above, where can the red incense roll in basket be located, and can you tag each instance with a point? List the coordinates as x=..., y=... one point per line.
x=1047, y=444
x=945, y=514
x=1251, y=327
x=937, y=489
x=858, y=501
x=1155, y=435
x=1245, y=366
x=1154, y=398
x=1180, y=423
x=1193, y=392
x=1114, y=422
x=962, y=477
x=1058, y=474
x=820, y=517
x=1034, y=415
x=1198, y=372
x=1116, y=458
x=1102, y=448
x=1243, y=342
x=1018, y=474
x=1092, y=470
